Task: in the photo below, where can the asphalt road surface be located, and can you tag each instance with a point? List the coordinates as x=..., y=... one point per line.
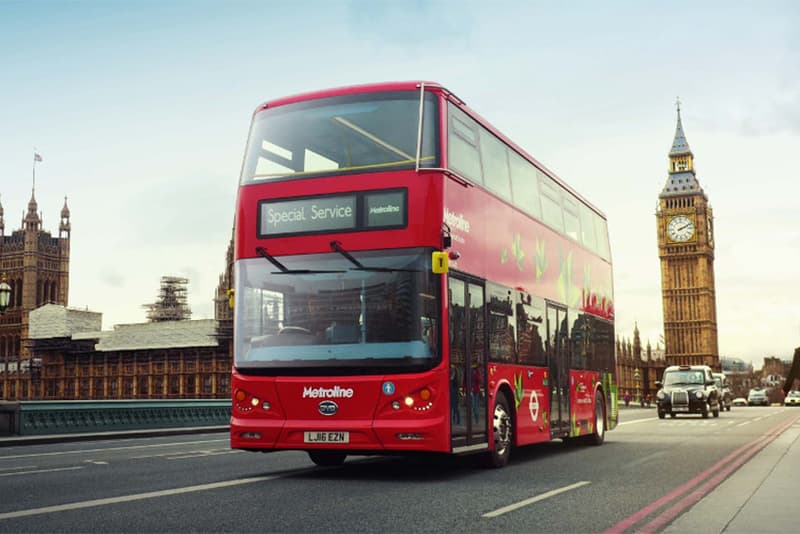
x=196, y=483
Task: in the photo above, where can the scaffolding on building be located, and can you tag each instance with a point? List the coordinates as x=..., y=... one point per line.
x=172, y=304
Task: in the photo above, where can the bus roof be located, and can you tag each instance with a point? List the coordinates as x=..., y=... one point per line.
x=348, y=90
x=413, y=85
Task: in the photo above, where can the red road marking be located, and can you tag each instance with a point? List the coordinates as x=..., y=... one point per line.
x=737, y=458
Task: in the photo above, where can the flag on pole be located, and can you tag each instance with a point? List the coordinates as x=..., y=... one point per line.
x=37, y=157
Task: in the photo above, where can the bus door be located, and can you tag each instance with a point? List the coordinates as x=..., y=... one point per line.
x=558, y=364
x=467, y=365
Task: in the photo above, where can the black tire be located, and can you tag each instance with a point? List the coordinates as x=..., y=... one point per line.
x=598, y=435
x=672, y=415
x=327, y=458
x=503, y=432
x=705, y=410
x=715, y=413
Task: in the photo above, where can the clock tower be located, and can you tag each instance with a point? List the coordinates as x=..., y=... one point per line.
x=686, y=250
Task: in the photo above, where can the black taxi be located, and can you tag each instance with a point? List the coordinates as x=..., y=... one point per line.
x=687, y=389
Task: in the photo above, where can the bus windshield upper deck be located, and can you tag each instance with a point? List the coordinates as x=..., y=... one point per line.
x=342, y=134
x=374, y=310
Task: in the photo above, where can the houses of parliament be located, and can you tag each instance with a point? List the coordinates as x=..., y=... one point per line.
x=49, y=351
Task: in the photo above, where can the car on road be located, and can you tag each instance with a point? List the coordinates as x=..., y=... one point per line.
x=687, y=389
x=725, y=394
x=792, y=398
x=757, y=397
x=739, y=401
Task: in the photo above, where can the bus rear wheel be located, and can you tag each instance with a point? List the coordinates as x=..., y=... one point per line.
x=327, y=458
x=503, y=433
x=598, y=435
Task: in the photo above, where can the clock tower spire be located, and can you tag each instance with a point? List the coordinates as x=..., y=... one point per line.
x=686, y=250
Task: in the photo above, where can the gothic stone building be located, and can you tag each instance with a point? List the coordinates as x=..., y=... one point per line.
x=36, y=266
x=155, y=360
x=686, y=250
x=50, y=351
x=638, y=368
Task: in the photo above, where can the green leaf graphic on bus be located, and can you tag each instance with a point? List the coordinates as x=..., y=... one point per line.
x=567, y=289
x=503, y=256
x=519, y=391
x=541, y=260
x=574, y=427
x=516, y=250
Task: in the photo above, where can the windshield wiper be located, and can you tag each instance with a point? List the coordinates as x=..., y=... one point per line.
x=335, y=245
x=285, y=270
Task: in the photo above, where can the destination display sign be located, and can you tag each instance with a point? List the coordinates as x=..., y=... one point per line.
x=364, y=210
x=385, y=209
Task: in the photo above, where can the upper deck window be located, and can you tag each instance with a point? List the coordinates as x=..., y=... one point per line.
x=463, y=155
x=494, y=155
x=341, y=135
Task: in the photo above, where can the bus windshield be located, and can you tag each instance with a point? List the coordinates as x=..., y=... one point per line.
x=324, y=311
x=337, y=135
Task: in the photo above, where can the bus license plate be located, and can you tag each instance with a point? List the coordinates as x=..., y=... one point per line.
x=327, y=437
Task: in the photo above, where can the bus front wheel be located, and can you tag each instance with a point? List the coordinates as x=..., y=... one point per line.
x=327, y=458
x=503, y=432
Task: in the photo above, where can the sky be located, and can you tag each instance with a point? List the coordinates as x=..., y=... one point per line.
x=140, y=111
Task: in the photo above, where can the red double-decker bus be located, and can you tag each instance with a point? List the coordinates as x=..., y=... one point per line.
x=409, y=280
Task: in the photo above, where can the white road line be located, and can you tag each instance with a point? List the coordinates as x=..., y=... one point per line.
x=202, y=454
x=17, y=468
x=744, y=423
x=40, y=471
x=526, y=502
x=187, y=454
x=645, y=459
x=135, y=497
x=636, y=421
x=84, y=451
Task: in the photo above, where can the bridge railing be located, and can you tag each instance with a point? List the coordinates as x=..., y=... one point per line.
x=60, y=417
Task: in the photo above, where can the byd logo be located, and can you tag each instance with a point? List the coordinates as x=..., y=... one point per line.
x=328, y=407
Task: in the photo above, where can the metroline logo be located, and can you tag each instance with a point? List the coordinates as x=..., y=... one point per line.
x=335, y=392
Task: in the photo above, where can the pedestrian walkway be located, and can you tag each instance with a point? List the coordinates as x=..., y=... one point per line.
x=761, y=496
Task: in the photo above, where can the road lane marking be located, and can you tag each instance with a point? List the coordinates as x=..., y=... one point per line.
x=187, y=454
x=744, y=423
x=18, y=467
x=636, y=421
x=526, y=502
x=40, y=471
x=84, y=451
x=134, y=497
x=645, y=459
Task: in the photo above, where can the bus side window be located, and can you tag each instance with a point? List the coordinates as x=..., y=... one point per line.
x=530, y=328
x=502, y=326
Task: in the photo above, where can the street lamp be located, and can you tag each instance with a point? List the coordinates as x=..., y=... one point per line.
x=5, y=294
x=637, y=378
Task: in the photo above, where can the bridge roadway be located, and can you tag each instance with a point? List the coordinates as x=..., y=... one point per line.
x=737, y=473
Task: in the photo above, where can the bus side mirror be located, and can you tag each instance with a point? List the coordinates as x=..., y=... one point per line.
x=440, y=262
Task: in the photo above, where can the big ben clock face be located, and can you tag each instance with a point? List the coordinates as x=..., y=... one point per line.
x=680, y=228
